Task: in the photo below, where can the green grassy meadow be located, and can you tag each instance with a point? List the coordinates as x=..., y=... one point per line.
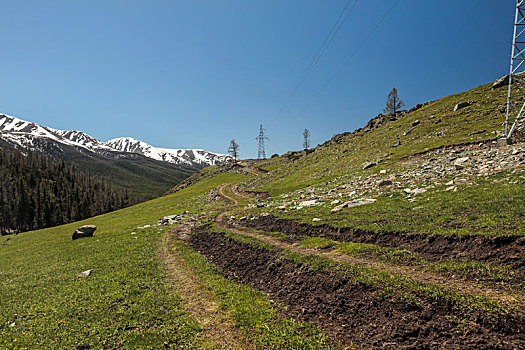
x=127, y=302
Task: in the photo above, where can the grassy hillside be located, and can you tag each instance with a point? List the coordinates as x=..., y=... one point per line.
x=423, y=249
x=434, y=125
x=145, y=177
x=126, y=302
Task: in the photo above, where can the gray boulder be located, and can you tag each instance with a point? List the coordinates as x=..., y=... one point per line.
x=84, y=231
x=461, y=163
x=462, y=105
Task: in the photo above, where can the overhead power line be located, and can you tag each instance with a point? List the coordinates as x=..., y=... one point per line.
x=349, y=58
x=343, y=16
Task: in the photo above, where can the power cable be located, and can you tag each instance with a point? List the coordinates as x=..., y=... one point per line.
x=349, y=58
x=320, y=52
x=277, y=147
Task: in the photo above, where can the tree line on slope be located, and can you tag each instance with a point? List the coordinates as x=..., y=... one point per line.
x=38, y=192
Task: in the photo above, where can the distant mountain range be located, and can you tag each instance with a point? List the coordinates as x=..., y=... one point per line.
x=144, y=170
x=26, y=135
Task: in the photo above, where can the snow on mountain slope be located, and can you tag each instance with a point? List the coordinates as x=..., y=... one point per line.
x=23, y=134
x=81, y=138
x=14, y=125
x=175, y=156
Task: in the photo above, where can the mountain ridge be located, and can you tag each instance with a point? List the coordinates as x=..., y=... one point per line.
x=22, y=134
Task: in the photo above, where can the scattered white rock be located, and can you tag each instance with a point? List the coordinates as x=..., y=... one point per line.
x=461, y=163
x=310, y=203
x=414, y=191
x=86, y=273
x=353, y=203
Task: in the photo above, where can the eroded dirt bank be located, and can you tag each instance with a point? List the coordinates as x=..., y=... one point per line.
x=508, y=251
x=355, y=312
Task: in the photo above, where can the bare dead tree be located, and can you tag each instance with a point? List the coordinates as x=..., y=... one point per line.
x=234, y=150
x=393, y=103
x=306, y=139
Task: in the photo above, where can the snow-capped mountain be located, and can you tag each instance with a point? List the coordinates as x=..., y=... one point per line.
x=31, y=136
x=175, y=156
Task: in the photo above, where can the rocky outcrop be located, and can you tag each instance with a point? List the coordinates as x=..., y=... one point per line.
x=503, y=81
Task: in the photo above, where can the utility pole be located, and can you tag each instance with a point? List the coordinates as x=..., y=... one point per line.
x=516, y=83
x=261, y=154
x=306, y=139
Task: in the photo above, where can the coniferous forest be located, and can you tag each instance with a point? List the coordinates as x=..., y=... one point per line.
x=37, y=191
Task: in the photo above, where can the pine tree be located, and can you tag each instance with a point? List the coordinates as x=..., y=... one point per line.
x=393, y=103
x=234, y=150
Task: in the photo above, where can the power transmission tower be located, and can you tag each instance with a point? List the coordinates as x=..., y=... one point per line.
x=262, y=153
x=516, y=92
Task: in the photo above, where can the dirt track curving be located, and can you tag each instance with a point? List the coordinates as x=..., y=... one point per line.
x=218, y=330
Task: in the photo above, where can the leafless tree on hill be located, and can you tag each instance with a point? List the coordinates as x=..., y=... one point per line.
x=234, y=150
x=393, y=103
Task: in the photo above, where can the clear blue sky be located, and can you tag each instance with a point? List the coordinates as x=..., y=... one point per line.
x=197, y=73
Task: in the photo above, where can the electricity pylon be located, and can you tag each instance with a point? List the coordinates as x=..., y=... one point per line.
x=516, y=91
x=262, y=153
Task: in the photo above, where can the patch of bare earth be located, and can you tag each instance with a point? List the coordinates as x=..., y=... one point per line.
x=355, y=312
x=502, y=297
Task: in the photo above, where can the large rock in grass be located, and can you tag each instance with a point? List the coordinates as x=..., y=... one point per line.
x=503, y=81
x=462, y=105
x=84, y=231
x=461, y=163
x=353, y=203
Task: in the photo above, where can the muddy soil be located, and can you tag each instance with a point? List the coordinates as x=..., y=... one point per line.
x=508, y=251
x=353, y=312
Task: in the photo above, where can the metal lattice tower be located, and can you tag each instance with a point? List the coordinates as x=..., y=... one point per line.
x=262, y=153
x=516, y=92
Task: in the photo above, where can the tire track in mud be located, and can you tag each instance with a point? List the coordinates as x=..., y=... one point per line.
x=430, y=327
x=357, y=312
x=466, y=288
x=504, y=250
